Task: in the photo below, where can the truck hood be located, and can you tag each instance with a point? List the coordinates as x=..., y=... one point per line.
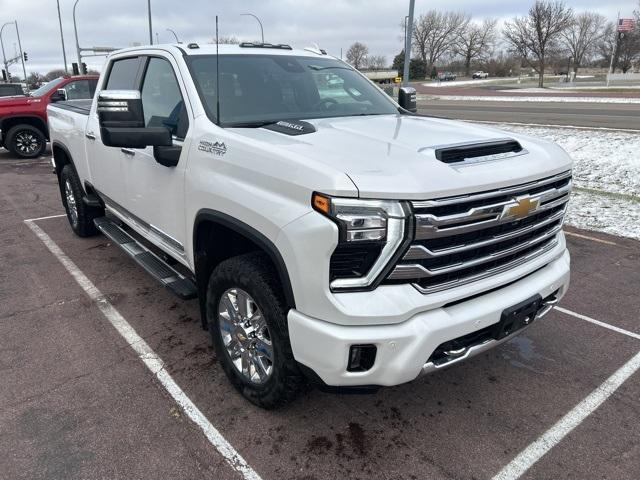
x=393, y=156
x=18, y=101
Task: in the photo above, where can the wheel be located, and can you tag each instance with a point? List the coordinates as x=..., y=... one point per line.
x=247, y=319
x=25, y=141
x=80, y=215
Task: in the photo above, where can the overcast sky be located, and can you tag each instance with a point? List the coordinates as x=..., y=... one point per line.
x=333, y=24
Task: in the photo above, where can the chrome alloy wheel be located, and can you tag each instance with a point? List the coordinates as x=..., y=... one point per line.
x=26, y=142
x=71, y=202
x=245, y=335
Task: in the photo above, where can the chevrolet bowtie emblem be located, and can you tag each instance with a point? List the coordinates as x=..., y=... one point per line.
x=523, y=207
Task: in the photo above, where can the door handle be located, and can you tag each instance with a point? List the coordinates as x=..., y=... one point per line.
x=90, y=135
x=128, y=151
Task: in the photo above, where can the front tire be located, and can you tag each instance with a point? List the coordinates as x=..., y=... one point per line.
x=247, y=319
x=80, y=216
x=25, y=141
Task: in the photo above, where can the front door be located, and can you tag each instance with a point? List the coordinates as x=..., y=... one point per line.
x=155, y=193
x=106, y=163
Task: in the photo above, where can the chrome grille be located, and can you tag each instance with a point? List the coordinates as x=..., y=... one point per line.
x=465, y=238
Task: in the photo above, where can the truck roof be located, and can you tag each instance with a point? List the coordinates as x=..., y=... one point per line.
x=193, y=49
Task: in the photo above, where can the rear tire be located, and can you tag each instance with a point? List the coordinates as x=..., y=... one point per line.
x=25, y=141
x=258, y=331
x=80, y=216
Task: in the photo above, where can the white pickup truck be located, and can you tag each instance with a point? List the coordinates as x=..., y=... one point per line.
x=331, y=235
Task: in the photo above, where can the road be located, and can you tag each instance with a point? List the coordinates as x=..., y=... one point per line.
x=621, y=116
x=79, y=403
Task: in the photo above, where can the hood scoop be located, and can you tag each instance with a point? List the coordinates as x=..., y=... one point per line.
x=474, y=152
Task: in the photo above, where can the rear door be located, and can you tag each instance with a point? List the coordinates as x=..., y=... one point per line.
x=106, y=163
x=155, y=193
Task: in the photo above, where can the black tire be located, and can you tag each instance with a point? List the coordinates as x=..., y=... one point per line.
x=255, y=275
x=81, y=220
x=25, y=141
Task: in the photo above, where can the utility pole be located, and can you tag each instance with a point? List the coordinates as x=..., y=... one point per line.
x=24, y=70
x=261, y=29
x=150, y=26
x=407, y=43
x=64, y=53
x=75, y=29
x=157, y=39
x=4, y=57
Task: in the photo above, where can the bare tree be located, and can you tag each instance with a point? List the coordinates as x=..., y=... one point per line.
x=375, y=62
x=537, y=35
x=625, y=46
x=226, y=40
x=357, y=54
x=475, y=42
x=582, y=36
x=434, y=34
x=53, y=74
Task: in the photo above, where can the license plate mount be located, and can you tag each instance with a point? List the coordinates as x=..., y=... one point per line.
x=517, y=317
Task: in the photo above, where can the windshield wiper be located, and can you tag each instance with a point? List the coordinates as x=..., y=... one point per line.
x=316, y=67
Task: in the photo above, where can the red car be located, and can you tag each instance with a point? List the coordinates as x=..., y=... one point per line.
x=23, y=120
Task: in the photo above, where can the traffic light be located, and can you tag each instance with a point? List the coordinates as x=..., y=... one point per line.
x=84, y=68
x=26, y=57
x=4, y=75
x=74, y=66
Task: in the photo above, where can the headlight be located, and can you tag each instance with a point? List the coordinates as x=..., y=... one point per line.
x=371, y=236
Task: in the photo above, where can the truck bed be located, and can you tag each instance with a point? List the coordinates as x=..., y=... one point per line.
x=79, y=106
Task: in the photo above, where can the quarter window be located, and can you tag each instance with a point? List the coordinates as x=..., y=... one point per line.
x=161, y=98
x=123, y=74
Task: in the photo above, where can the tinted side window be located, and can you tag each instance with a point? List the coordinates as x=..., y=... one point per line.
x=161, y=98
x=123, y=74
x=80, y=90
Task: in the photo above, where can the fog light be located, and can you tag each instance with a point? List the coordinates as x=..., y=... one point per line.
x=361, y=358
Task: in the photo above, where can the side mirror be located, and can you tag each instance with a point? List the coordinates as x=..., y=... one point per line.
x=407, y=99
x=121, y=120
x=59, y=96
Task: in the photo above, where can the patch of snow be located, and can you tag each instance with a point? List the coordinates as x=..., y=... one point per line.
x=458, y=83
x=613, y=215
x=531, y=99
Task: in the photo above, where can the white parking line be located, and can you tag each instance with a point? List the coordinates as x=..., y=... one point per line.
x=45, y=218
x=153, y=362
x=599, y=323
x=587, y=237
x=534, y=452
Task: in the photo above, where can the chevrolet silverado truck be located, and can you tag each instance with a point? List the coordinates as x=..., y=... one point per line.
x=331, y=236
x=23, y=120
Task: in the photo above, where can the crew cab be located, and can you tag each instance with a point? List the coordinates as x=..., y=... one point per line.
x=23, y=119
x=330, y=235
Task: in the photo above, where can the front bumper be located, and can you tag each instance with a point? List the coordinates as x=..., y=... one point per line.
x=403, y=349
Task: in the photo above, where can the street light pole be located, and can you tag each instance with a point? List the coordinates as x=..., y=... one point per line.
x=4, y=57
x=75, y=29
x=64, y=53
x=24, y=70
x=174, y=34
x=261, y=29
x=407, y=44
x=157, y=39
x=150, y=26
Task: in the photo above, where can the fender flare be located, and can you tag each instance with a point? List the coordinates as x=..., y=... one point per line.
x=45, y=131
x=256, y=237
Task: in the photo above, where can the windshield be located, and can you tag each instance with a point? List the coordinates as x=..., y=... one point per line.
x=47, y=87
x=259, y=89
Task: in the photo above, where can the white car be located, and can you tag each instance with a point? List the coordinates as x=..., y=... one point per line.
x=480, y=75
x=330, y=234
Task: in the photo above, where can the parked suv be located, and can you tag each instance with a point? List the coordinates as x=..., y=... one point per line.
x=330, y=234
x=446, y=76
x=23, y=120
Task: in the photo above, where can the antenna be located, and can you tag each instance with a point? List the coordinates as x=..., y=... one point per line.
x=217, y=76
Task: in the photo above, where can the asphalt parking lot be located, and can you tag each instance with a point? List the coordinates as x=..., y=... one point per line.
x=77, y=401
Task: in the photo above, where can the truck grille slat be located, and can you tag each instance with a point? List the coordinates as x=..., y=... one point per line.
x=462, y=239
